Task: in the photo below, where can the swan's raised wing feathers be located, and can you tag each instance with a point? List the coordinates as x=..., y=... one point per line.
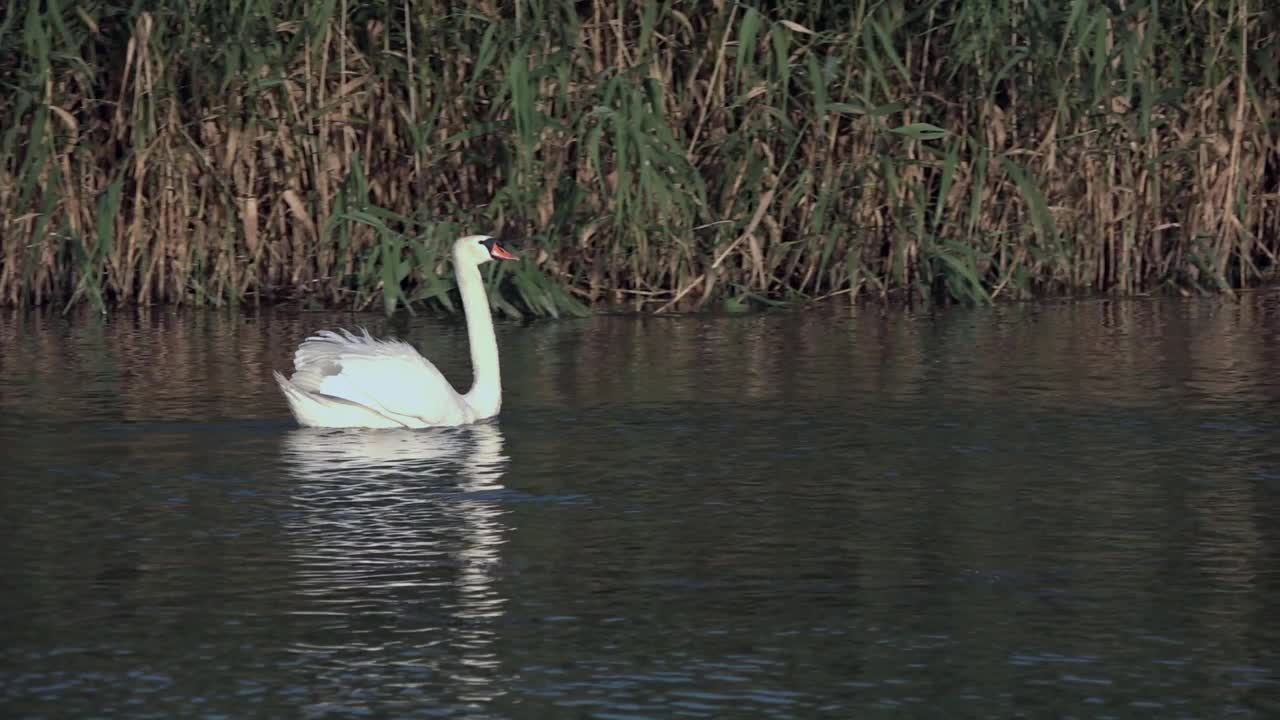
x=388, y=377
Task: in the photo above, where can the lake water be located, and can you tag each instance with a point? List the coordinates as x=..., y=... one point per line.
x=1042, y=510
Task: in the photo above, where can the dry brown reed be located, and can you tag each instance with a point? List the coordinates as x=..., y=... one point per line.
x=659, y=155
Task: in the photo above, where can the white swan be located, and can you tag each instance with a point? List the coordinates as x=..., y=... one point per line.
x=345, y=380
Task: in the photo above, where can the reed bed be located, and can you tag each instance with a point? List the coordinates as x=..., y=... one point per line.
x=660, y=155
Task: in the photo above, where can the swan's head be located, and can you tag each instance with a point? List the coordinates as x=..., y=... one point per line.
x=479, y=249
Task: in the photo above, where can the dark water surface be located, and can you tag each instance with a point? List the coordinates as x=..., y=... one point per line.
x=1029, y=511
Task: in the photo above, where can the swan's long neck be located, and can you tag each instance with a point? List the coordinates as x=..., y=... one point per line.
x=485, y=395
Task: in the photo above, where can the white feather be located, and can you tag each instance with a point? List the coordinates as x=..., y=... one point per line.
x=346, y=380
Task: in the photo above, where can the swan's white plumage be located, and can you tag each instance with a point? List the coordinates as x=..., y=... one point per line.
x=341, y=379
x=345, y=380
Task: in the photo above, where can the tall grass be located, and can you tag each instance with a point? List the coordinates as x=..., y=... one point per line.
x=671, y=154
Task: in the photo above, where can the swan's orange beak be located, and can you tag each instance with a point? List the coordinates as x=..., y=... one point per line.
x=499, y=252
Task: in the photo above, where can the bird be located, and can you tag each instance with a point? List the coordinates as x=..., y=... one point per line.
x=348, y=380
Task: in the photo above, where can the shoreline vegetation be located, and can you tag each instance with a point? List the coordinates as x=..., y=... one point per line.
x=660, y=156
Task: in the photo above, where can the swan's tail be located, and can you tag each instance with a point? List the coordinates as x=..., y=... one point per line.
x=320, y=410
x=296, y=397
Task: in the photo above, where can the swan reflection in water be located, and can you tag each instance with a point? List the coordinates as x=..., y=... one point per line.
x=397, y=537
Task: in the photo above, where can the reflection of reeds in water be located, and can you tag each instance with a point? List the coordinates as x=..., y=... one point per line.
x=1089, y=355
x=174, y=364
x=164, y=364
x=394, y=523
